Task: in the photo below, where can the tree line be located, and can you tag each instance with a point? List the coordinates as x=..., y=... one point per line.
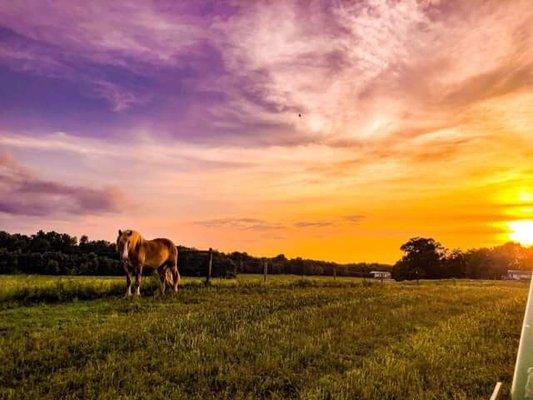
x=61, y=254
x=424, y=258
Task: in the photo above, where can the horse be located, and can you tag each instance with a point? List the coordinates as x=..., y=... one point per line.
x=137, y=253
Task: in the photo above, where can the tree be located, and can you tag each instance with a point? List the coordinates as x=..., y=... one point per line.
x=422, y=259
x=454, y=264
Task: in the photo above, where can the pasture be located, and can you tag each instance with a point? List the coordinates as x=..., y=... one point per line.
x=312, y=338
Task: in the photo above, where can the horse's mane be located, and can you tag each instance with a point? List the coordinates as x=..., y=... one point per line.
x=134, y=239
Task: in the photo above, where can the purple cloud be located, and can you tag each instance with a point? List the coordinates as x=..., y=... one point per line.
x=236, y=73
x=22, y=193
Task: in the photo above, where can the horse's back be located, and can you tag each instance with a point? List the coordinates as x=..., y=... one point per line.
x=164, y=242
x=158, y=251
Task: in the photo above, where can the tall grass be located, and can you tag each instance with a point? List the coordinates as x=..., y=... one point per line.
x=33, y=289
x=30, y=289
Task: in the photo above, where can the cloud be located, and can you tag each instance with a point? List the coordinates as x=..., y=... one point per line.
x=107, y=48
x=105, y=33
x=237, y=73
x=22, y=193
x=313, y=224
x=346, y=219
x=247, y=224
x=367, y=71
x=135, y=148
x=118, y=97
x=354, y=218
x=253, y=224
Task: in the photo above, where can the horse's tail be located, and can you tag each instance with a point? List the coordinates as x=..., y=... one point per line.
x=169, y=277
x=177, y=276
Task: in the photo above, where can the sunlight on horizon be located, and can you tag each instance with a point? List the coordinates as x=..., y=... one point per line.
x=522, y=231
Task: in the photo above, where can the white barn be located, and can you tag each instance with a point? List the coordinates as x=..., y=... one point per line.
x=380, y=274
x=518, y=275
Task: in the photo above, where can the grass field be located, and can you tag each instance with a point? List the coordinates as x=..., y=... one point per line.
x=312, y=338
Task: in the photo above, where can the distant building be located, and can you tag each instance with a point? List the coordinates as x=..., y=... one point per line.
x=518, y=275
x=380, y=274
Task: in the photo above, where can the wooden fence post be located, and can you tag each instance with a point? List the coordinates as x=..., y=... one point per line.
x=209, y=267
x=334, y=272
x=265, y=270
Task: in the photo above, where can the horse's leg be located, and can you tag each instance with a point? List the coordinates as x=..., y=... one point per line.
x=175, y=275
x=128, y=279
x=138, y=276
x=162, y=270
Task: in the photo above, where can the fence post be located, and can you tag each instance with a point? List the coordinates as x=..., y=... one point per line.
x=496, y=391
x=334, y=272
x=209, y=267
x=265, y=270
x=522, y=386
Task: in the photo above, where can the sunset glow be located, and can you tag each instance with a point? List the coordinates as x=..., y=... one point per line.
x=329, y=130
x=522, y=232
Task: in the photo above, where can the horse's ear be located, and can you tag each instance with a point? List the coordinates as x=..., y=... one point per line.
x=119, y=232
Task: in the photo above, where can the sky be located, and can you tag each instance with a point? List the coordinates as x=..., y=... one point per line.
x=333, y=130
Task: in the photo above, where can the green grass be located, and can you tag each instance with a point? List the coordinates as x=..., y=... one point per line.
x=312, y=338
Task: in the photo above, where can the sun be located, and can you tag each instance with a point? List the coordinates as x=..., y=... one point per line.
x=522, y=231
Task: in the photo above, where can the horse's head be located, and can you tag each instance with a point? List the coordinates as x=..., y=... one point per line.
x=126, y=241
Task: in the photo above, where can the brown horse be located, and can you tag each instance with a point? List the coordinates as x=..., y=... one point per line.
x=138, y=253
